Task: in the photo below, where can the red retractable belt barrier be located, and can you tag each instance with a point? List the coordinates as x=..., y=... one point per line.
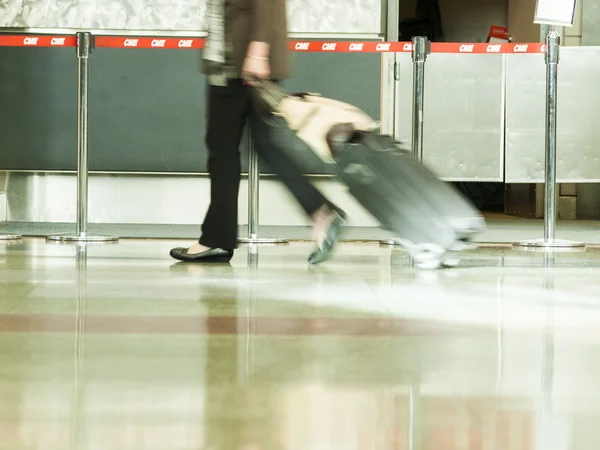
x=147, y=42
x=354, y=47
x=448, y=47
x=294, y=45
x=406, y=47
x=22, y=40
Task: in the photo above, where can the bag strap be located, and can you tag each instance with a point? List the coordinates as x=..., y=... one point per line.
x=303, y=95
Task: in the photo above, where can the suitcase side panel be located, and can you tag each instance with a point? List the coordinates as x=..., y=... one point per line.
x=385, y=186
x=445, y=198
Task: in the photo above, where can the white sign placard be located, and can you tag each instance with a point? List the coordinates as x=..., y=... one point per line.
x=555, y=12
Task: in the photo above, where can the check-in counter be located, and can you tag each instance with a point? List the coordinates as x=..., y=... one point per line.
x=463, y=114
x=484, y=115
x=146, y=108
x=483, y=111
x=578, y=135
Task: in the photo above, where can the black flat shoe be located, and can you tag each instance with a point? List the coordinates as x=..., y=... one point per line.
x=214, y=255
x=332, y=236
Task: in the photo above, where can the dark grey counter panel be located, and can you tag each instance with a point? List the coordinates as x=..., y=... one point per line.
x=146, y=106
x=146, y=111
x=38, y=108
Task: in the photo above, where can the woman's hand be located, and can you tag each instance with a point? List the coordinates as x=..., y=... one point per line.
x=256, y=63
x=256, y=67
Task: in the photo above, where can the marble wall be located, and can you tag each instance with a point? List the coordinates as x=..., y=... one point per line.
x=332, y=16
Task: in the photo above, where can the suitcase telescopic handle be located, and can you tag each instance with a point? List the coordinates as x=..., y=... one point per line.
x=305, y=94
x=253, y=80
x=257, y=83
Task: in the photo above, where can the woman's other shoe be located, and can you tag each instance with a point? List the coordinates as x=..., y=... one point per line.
x=332, y=235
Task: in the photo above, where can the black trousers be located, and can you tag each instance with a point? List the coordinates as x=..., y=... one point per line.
x=229, y=110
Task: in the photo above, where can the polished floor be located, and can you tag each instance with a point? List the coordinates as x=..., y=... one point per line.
x=499, y=229
x=119, y=347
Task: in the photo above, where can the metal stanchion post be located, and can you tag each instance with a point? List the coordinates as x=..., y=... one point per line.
x=419, y=55
x=549, y=241
x=420, y=49
x=84, y=50
x=253, y=182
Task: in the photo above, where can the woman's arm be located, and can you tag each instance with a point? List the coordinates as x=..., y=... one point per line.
x=262, y=22
x=257, y=56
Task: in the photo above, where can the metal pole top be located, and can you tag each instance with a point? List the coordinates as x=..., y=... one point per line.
x=552, y=47
x=421, y=49
x=84, y=44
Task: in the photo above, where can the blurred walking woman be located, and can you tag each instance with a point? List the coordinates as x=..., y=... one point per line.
x=248, y=38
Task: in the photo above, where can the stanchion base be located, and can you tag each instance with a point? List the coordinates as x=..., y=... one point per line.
x=83, y=237
x=551, y=244
x=263, y=241
x=10, y=237
x=390, y=242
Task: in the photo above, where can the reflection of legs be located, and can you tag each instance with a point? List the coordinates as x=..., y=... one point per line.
x=240, y=409
x=326, y=217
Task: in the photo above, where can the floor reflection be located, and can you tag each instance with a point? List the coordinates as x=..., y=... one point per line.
x=121, y=348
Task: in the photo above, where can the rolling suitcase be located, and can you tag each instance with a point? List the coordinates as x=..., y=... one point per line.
x=432, y=220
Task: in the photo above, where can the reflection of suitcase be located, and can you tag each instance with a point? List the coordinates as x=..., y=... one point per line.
x=431, y=218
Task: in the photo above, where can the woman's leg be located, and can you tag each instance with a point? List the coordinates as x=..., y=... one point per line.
x=271, y=142
x=227, y=112
x=227, y=115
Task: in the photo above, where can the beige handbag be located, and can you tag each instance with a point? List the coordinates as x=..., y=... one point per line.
x=311, y=116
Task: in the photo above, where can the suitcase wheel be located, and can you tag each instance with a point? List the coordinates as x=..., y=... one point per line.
x=429, y=265
x=432, y=257
x=452, y=258
x=451, y=261
x=447, y=261
x=426, y=256
x=463, y=245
